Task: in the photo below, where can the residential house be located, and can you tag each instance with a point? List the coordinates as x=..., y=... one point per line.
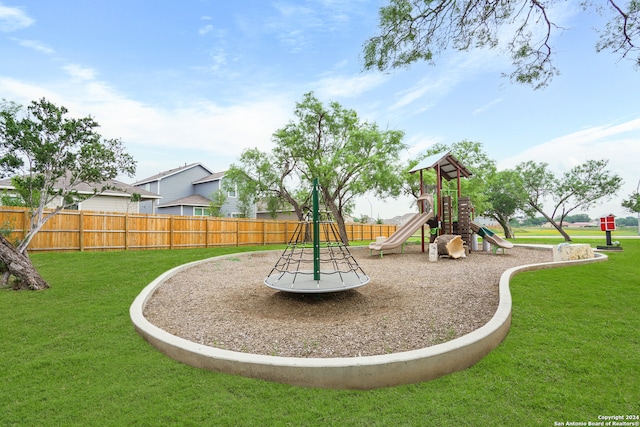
x=549, y=225
x=282, y=214
x=117, y=198
x=186, y=190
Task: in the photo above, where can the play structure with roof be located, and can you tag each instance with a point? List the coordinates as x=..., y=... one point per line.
x=446, y=212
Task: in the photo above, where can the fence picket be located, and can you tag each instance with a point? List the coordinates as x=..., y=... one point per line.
x=100, y=231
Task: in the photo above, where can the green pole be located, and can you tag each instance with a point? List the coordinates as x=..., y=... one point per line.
x=316, y=231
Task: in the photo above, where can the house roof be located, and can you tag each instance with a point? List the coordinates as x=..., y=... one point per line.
x=213, y=177
x=449, y=166
x=195, y=200
x=165, y=174
x=120, y=189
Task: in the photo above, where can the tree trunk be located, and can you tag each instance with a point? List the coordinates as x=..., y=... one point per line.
x=337, y=216
x=506, y=228
x=553, y=222
x=20, y=266
x=558, y=227
x=342, y=228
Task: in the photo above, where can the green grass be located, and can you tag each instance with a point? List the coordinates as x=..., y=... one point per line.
x=571, y=231
x=71, y=357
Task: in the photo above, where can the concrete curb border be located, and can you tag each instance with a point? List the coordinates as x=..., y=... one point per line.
x=363, y=373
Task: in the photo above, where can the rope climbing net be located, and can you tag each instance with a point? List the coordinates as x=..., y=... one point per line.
x=316, y=260
x=294, y=270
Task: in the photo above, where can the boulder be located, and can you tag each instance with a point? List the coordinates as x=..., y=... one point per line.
x=570, y=252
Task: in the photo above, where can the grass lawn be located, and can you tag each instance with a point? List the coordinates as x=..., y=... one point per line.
x=70, y=357
x=523, y=232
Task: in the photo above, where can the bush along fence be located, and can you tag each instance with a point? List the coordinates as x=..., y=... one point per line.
x=100, y=231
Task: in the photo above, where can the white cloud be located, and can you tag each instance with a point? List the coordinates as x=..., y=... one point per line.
x=419, y=143
x=486, y=107
x=416, y=92
x=79, y=72
x=13, y=19
x=206, y=29
x=211, y=131
x=348, y=86
x=35, y=45
x=619, y=143
x=21, y=92
x=294, y=24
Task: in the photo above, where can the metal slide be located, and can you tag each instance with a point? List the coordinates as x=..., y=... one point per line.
x=490, y=236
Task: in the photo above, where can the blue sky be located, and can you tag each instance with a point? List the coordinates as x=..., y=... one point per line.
x=199, y=81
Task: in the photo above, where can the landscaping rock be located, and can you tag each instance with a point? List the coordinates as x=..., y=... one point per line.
x=571, y=252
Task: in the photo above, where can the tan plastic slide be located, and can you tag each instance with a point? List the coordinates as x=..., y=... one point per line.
x=403, y=233
x=490, y=236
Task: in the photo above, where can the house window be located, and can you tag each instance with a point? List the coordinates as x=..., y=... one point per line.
x=200, y=211
x=232, y=193
x=11, y=200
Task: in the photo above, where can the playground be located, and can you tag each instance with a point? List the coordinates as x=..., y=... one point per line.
x=417, y=319
x=311, y=307
x=410, y=303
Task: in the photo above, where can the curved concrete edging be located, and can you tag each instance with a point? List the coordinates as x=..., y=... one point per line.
x=367, y=372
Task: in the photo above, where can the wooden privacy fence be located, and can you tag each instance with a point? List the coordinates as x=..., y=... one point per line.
x=100, y=231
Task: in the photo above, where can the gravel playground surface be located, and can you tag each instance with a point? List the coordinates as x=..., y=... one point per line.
x=409, y=303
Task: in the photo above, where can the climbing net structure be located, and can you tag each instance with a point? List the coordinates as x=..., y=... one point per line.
x=316, y=260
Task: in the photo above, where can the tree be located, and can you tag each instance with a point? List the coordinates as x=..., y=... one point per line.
x=48, y=155
x=245, y=202
x=218, y=199
x=533, y=222
x=632, y=204
x=418, y=30
x=270, y=177
x=505, y=196
x=349, y=157
x=581, y=187
x=471, y=154
x=627, y=222
x=577, y=218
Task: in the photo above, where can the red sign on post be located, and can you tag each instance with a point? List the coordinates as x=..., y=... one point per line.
x=608, y=223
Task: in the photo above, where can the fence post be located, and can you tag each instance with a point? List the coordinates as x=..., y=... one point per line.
x=285, y=236
x=25, y=224
x=126, y=231
x=171, y=232
x=81, y=231
x=206, y=232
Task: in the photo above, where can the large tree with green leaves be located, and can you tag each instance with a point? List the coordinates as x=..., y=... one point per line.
x=505, y=196
x=48, y=154
x=632, y=204
x=350, y=157
x=580, y=188
x=419, y=30
x=269, y=178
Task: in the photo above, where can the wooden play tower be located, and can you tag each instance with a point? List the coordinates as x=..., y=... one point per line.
x=450, y=219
